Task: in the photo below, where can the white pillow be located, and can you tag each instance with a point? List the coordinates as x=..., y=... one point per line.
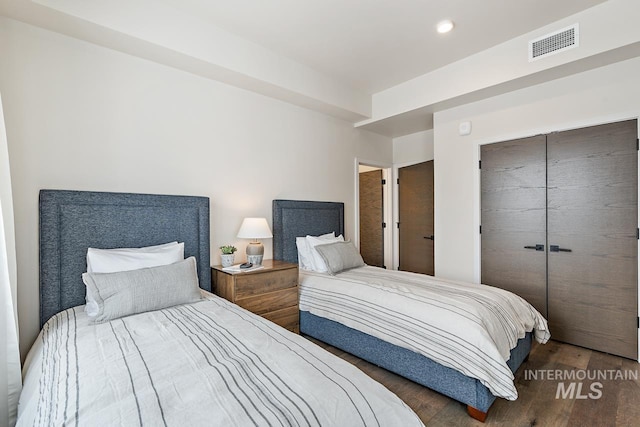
x=317, y=261
x=127, y=259
x=305, y=257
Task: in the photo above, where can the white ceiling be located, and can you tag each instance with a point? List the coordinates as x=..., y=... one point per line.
x=372, y=45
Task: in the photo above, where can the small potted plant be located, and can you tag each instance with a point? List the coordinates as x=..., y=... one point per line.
x=227, y=255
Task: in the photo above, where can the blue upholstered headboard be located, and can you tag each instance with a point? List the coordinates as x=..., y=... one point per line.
x=73, y=221
x=296, y=218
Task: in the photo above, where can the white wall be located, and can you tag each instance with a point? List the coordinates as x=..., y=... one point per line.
x=414, y=148
x=171, y=35
x=84, y=117
x=603, y=95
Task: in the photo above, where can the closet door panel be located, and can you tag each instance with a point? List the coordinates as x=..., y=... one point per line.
x=513, y=215
x=592, y=211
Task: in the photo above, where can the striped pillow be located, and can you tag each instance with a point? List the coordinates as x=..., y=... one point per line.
x=136, y=291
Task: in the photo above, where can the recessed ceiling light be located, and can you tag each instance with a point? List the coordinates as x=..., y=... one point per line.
x=445, y=26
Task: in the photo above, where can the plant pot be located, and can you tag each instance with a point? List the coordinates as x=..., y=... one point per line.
x=227, y=259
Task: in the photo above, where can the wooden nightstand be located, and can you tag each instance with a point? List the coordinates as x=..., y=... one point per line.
x=271, y=292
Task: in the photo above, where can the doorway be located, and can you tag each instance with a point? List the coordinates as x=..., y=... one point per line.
x=373, y=211
x=416, y=238
x=372, y=217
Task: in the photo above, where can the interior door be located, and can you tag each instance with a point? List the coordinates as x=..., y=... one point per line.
x=371, y=217
x=592, y=226
x=513, y=218
x=415, y=217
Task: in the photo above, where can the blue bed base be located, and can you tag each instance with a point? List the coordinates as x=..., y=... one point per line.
x=407, y=363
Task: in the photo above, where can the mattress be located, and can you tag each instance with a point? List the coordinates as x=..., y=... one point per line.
x=467, y=327
x=206, y=363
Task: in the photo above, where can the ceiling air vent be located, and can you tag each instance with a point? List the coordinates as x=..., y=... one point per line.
x=556, y=42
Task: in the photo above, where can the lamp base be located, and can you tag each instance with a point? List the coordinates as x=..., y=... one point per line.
x=255, y=252
x=255, y=259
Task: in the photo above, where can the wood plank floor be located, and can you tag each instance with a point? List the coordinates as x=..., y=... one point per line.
x=618, y=405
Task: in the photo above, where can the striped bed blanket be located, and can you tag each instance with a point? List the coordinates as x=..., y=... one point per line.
x=467, y=327
x=208, y=363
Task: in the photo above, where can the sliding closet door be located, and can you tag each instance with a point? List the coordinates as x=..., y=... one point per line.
x=513, y=218
x=592, y=221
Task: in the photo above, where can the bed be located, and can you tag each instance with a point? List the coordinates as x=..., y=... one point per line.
x=357, y=323
x=203, y=362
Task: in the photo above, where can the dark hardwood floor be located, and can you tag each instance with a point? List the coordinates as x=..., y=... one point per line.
x=537, y=405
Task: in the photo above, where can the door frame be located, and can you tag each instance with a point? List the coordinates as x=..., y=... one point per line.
x=593, y=121
x=387, y=212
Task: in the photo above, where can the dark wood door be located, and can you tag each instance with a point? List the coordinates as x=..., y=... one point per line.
x=513, y=218
x=415, y=205
x=371, y=218
x=592, y=211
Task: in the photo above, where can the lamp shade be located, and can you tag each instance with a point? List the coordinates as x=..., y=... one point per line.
x=254, y=228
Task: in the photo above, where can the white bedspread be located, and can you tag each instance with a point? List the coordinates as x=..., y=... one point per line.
x=208, y=363
x=468, y=327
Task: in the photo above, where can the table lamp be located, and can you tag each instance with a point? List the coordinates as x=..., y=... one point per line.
x=255, y=228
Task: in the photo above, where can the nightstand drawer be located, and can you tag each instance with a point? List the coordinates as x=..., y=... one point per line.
x=288, y=318
x=271, y=292
x=250, y=284
x=270, y=301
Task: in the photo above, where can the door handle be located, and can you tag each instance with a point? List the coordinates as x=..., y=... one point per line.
x=537, y=247
x=429, y=237
x=556, y=248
